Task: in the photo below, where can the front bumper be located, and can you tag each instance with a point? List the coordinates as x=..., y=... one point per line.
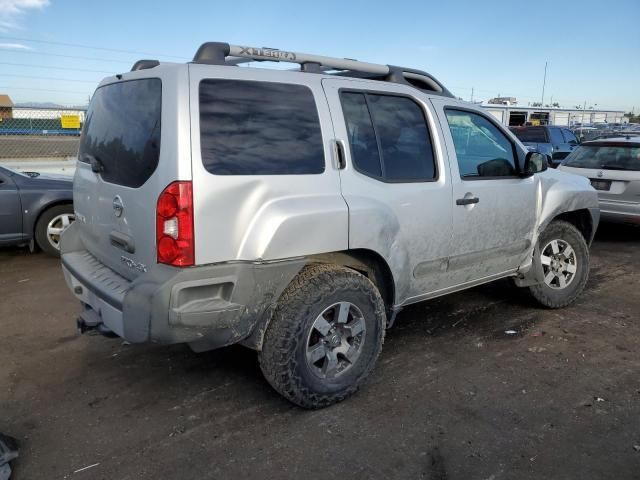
x=207, y=306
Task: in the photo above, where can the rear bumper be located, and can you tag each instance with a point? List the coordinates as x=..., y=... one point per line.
x=620, y=211
x=207, y=307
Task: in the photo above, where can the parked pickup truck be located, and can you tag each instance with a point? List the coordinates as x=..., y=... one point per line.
x=297, y=212
x=555, y=142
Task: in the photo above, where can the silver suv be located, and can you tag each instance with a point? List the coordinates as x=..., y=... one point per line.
x=297, y=212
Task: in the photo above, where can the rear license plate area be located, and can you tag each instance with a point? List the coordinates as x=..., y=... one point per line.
x=601, y=184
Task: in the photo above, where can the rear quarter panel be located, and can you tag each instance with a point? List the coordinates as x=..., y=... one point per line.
x=265, y=217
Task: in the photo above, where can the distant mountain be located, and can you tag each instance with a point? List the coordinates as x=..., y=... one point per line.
x=38, y=105
x=48, y=105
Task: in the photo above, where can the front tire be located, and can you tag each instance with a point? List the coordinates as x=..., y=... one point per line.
x=50, y=226
x=563, y=258
x=325, y=336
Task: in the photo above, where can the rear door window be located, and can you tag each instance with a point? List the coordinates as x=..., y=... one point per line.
x=362, y=136
x=388, y=136
x=122, y=131
x=259, y=128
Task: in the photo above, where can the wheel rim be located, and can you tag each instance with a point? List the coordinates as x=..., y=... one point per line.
x=56, y=226
x=559, y=264
x=336, y=340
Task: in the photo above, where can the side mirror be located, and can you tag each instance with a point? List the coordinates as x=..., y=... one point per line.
x=534, y=162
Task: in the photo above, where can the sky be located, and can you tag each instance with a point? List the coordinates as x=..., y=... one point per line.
x=493, y=47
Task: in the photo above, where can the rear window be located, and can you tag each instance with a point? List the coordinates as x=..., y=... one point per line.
x=259, y=128
x=605, y=157
x=122, y=131
x=532, y=135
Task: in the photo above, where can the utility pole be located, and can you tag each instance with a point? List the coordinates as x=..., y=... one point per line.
x=471, y=94
x=544, y=82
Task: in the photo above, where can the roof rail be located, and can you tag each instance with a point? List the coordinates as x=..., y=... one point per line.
x=219, y=53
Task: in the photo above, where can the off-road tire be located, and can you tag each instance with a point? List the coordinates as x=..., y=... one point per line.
x=40, y=232
x=282, y=358
x=558, y=298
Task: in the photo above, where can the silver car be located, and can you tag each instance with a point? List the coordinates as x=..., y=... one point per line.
x=613, y=167
x=297, y=212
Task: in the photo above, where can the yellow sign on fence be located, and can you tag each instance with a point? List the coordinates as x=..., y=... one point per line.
x=70, y=121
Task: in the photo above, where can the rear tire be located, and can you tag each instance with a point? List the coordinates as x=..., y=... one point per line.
x=563, y=256
x=52, y=220
x=324, y=337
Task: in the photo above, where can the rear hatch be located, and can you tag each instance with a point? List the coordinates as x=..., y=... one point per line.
x=124, y=164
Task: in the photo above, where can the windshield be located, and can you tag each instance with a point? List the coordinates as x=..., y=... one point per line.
x=605, y=157
x=16, y=172
x=122, y=131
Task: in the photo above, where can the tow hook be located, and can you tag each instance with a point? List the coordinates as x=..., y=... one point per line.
x=97, y=328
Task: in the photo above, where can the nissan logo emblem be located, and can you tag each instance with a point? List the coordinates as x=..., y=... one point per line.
x=118, y=208
x=600, y=174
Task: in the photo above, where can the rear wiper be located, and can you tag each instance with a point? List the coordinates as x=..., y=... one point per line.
x=613, y=167
x=96, y=164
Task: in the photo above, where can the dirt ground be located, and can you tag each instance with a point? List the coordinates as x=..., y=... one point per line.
x=453, y=396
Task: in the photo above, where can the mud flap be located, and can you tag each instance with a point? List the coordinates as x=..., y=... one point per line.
x=535, y=274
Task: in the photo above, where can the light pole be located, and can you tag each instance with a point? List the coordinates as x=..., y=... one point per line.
x=544, y=82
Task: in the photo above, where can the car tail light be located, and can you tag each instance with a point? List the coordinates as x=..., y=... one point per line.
x=174, y=225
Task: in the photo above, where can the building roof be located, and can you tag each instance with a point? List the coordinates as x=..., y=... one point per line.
x=5, y=101
x=546, y=109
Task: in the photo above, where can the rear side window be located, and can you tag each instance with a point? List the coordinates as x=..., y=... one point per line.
x=259, y=128
x=122, y=131
x=388, y=137
x=531, y=135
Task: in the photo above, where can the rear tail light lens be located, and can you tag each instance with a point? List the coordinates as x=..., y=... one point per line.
x=174, y=225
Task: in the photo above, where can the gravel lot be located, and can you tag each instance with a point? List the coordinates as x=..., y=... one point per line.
x=452, y=397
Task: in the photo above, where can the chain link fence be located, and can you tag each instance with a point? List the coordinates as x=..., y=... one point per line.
x=39, y=133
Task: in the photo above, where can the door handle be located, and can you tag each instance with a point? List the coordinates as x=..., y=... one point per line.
x=122, y=241
x=340, y=157
x=467, y=201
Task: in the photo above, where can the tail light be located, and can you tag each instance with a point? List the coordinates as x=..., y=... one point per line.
x=174, y=225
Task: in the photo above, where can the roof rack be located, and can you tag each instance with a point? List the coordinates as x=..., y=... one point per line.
x=219, y=53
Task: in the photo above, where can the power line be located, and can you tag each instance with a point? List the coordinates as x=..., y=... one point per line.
x=95, y=82
x=77, y=45
x=43, y=90
x=52, y=67
x=23, y=52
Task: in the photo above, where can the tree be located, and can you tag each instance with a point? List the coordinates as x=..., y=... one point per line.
x=633, y=118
